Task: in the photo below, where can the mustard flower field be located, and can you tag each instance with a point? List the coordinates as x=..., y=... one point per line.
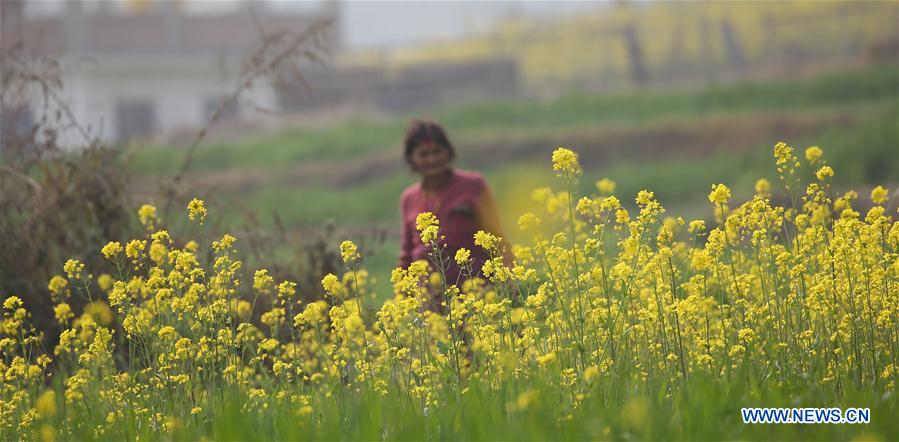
x=616, y=321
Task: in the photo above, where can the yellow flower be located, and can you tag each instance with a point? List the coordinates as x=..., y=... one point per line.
x=429, y=234
x=584, y=206
x=332, y=285
x=696, y=226
x=243, y=309
x=158, y=253
x=119, y=294
x=46, y=404
x=63, y=312
x=112, y=249
x=564, y=160
x=425, y=220
x=609, y=203
x=162, y=237
x=100, y=312
x=225, y=243
x=196, y=210
x=57, y=283
x=167, y=333
x=313, y=314
x=644, y=197
x=349, y=252
x=813, y=154
x=571, y=292
x=12, y=303
x=134, y=248
x=541, y=194
x=591, y=373
x=273, y=318
x=528, y=221
x=763, y=187
x=546, y=359
x=880, y=195
x=105, y=282
x=720, y=194
x=782, y=152
x=824, y=172
x=605, y=186
x=486, y=240
x=268, y=345
x=287, y=289
x=463, y=255
x=73, y=268
x=147, y=215
x=736, y=351
x=353, y=324
x=428, y=225
x=48, y=433
x=786, y=161
x=746, y=335
x=524, y=400
x=262, y=282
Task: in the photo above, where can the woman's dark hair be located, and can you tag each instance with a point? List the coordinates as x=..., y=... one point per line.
x=421, y=131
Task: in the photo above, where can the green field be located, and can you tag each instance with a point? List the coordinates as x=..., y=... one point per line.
x=520, y=118
x=852, y=115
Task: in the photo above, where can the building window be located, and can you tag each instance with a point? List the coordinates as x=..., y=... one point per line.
x=16, y=123
x=136, y=119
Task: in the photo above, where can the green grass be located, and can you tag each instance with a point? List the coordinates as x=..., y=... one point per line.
x=578, y=109
x=347, y=206
x=531, y=117
x=287, y=147
x=700, y=410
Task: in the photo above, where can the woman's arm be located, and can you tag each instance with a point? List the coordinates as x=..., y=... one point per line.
x=405, y=257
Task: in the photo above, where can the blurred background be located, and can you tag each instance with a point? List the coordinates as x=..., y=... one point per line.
x=197, y=98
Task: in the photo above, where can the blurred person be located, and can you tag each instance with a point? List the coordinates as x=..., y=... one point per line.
x=461, y=200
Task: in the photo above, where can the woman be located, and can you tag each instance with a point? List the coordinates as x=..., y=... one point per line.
x=461, y=200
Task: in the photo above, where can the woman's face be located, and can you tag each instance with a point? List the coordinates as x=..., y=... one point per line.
x=430, y=159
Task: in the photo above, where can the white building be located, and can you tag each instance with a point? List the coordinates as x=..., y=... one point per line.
x=153, y=72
